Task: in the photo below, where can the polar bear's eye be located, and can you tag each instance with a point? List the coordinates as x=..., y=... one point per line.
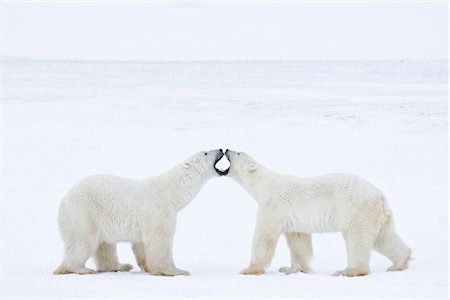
x=239, y=153
x=206, y=153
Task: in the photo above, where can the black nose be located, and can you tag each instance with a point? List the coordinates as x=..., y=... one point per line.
x=219, y=155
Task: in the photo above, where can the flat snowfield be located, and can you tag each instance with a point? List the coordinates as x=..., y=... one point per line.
x=384, y=121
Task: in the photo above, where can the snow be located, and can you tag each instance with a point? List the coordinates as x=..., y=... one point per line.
x=385, y=121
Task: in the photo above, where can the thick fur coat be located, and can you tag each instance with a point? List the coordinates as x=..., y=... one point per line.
x=101, y=210
x=297, y=207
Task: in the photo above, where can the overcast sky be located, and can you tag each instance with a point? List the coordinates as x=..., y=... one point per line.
x=220, y=31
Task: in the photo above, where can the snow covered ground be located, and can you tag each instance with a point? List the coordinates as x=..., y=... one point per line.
x=384, y=121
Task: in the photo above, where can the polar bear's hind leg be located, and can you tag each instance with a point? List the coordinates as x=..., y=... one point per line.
x=107, y=261
x=389, y=244
x=76, y=253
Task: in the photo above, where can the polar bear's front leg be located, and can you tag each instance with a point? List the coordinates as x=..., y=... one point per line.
x=158, y=241
x=300, y=246
x=264, y=241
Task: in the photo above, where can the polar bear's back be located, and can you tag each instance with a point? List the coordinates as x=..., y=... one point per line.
x=105, y=204
x=343, y=184
x=101, y=190
x=336, y=184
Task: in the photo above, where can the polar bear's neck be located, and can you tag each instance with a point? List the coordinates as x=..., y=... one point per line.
x=257, y=184
x=183, y=185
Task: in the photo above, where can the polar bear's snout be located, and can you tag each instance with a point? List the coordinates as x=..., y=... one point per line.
x=229, y=154
x=221, y=165
x=234, y=157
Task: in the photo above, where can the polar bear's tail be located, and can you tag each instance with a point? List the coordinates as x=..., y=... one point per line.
x=390, y=245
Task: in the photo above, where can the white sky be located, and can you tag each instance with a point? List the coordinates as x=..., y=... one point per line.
x=220, y=31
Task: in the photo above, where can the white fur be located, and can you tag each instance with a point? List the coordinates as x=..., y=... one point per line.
x=101, y=210
x=297, y=207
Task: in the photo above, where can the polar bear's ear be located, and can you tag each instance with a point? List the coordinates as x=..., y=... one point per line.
x=252, y=167
x=186, y=165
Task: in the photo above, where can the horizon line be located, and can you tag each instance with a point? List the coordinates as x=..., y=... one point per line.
x=86, y=60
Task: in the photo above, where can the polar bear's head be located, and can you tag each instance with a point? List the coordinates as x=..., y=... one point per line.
x=204, y=162
x=242, y=165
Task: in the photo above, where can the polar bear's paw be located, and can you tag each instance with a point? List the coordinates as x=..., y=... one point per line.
x=116, y=268
x=291, y=270
x=84, y=271
x=180, y=272
x=252, y=271
x=402, y=264
x=122, y=268
x=398, y=267
x=351, y=272
x=125, y=267
x=169, y=272
x=79, y=270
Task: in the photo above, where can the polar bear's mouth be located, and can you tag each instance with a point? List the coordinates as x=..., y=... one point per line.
x=222, y=165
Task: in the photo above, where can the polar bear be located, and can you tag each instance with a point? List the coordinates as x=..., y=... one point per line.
x=298, y=207
x=101, y=210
